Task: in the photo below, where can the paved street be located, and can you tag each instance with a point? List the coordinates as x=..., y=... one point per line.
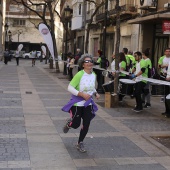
x=31, y=122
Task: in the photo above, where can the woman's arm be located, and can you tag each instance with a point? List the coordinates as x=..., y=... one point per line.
x=75, y=92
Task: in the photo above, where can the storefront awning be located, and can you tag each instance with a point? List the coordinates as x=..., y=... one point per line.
x=150, y=18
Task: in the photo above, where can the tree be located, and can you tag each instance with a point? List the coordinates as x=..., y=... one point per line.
x=89, y=24
x=49, y=6
x=116, y=79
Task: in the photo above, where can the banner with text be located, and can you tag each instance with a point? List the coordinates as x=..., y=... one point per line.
x=166, y=27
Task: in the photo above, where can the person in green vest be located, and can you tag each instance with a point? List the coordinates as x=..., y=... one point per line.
x=146, y=95
x=125, y=51
x=163, y=63
x=132, y=59
x=122, y=67
x=140, y=70
x=163, y=66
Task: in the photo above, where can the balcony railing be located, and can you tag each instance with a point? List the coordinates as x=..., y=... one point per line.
x=127, y=6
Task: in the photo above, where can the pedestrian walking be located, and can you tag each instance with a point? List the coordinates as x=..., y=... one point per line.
x=77, y=57
x=34, y=55
x=6, y=56
x=71, y=66
x=82, y=105
x=100, y=78
x=17, y=53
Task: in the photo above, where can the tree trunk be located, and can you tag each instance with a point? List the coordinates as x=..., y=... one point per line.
x=87, y=38
x=116, y=80
x=53, y=37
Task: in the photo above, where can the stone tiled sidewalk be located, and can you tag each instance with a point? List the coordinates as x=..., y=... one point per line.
x=31, y=121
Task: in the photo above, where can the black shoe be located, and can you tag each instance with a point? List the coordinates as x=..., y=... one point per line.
x=80, y=147
x=147, y=106
x=164, y=113
x=167, y=116
x=137, y=110
x=66, y=126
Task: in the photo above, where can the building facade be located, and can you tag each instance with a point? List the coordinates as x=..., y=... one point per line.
x=140, y=27
x=23, y=25
x=154, y=15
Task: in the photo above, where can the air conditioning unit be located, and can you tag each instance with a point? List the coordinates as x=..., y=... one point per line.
x=167, y=6
x=148, y=3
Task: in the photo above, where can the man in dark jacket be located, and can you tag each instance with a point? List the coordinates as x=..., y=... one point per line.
x=6, y=56
x=77, y=57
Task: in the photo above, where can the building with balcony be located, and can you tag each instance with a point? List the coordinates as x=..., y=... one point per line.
x=23, y=25
x=140, y=28
x=154, y=24
x=128, y=33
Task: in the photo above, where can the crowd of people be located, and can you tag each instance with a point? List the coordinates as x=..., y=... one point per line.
x=139, y=65
x=17, y=54
x=82, y=85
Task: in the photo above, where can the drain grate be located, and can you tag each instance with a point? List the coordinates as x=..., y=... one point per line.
x=28, y=92
x=164, y=140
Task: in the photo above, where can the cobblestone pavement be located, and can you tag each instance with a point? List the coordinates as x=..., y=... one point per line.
x=31, y=121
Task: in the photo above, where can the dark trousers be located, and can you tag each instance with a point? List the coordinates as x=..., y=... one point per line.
x=17, y=60
x=78, y=113
x=167, y=91
x=167, y=104
x=71, y=73
x=139, y=87
x=6, y=60
x=68, y=70
x=121, y=95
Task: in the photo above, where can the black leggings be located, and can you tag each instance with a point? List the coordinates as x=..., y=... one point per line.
x=78, y=112
x=139, y=86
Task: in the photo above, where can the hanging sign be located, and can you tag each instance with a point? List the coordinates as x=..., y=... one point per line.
x=166, y=27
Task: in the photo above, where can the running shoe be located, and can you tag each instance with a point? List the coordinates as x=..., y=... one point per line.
x=147, y=106
x=66, y=126
x=80, y=147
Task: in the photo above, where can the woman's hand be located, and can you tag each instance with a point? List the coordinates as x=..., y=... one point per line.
x=168, y=78
x=113, y=73
x=84, y=95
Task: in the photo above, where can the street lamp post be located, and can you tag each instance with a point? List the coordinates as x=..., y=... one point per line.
x=103, y=63
x=104, y=29
x=6, y=35
x=67, y=14
x=9, y=39
x=19, y=32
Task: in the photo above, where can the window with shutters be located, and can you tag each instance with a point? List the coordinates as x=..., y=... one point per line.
x=19, y=22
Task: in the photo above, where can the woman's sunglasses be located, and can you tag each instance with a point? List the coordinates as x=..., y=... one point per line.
x=88, y=61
